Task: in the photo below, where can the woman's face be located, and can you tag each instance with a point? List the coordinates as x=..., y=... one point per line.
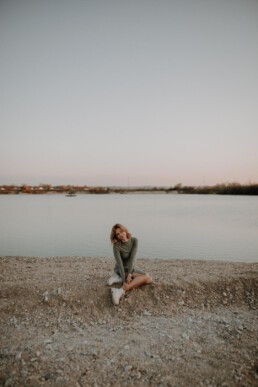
x=121, y=235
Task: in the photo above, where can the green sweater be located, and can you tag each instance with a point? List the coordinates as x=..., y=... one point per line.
x=124, y=254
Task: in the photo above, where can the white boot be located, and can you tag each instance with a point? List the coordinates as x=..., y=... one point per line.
x=114, y=279
x=116, y=295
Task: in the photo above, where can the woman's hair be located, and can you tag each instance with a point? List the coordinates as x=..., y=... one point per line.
x=113, y=236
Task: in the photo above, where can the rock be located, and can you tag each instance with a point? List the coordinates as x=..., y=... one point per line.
x=46, y=296
x=185, y=336
x=8, y=382
x=18, y=355
x=47, y=341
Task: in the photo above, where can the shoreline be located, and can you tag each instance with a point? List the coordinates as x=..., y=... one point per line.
x=58, y=326
x=110, y=258
x=158, y=192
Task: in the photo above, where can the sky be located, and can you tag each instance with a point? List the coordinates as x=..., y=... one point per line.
x=128, y=93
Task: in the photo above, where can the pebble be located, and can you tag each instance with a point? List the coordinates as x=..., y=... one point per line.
x=146, y=313
x=60, y=380
x=185, y=336
x=18, y=355
x=46, y=296
x=8, y=382
x=47, y=341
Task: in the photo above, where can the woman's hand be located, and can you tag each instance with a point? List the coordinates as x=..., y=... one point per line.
x=129, y=278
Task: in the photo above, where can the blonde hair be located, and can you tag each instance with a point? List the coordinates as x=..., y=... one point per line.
x=113, y=236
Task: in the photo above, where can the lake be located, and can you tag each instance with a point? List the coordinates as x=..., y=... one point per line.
x=168, y=226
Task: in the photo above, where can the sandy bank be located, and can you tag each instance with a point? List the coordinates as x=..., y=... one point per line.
x=197, y=325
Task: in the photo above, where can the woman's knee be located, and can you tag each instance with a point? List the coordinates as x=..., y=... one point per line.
x=149, y=279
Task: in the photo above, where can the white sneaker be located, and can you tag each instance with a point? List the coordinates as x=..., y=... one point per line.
x=116, y=295
x=114, y=279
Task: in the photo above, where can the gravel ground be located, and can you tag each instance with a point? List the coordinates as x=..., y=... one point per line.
x=196, y=325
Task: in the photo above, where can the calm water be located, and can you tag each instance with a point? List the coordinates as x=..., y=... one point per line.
x=167, y=226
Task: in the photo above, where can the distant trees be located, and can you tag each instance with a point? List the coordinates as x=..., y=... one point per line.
x=218, y=189
x=221, y=189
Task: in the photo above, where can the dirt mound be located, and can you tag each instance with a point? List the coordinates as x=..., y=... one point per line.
x=195, y=325
x=95, y=299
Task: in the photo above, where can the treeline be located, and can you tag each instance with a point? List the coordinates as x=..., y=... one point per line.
x=219, y=189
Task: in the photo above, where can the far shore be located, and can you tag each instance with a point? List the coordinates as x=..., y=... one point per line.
x=72, y=190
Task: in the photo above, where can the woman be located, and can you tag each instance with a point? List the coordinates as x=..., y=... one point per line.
x=124, y=249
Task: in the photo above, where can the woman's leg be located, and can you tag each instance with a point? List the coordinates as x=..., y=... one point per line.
x=114, y=279
x=138, y=279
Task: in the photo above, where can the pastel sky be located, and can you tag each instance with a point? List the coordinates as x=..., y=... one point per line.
x=136, y=92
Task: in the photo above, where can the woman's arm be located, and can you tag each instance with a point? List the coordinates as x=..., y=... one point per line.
x=119, y=262
x=132, y=255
